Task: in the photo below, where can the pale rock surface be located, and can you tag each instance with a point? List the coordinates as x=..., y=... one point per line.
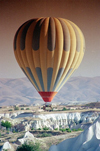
x=27, y=127
x=6, y=115
x=28, y=137
x=89, y=140
x=1, y=115
x=6, y=146
x=63, y=119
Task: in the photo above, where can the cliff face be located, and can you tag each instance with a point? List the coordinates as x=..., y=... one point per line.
x=89, y=140
x=57, y=120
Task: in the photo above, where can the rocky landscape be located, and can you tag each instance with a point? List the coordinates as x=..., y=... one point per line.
x=56, y=123
x=28, y=121
x=89, y=140
x=60, y=124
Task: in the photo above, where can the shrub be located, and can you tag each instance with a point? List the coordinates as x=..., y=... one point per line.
x=64, y=109
x=39, y=129
x=74, y=130
x=32, y=128
x=29, y=147
x=22, y=108
x=63, y=130
x=60, y=126
x=45, y=128
x=6, y=124
x=16, y=108
x=68, y=130
x=27, y=108
x=79, y=129
x=44, y=135
x=13, y=131
x=56, y=129
x=10, y=110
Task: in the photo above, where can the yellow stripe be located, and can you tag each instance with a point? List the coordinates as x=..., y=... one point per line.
x=66, y=79
x=20, y=58
x=29, y=53
x=43, y=51
x=76, y=66
x=50, y=58
x=58, y=51
x=64, y=59
x=75, y=59
x=79, y=60
x=78, y=56
x=82, y=41
x=72, y=51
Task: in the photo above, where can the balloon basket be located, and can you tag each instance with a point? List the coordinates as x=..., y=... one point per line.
x=47, y=107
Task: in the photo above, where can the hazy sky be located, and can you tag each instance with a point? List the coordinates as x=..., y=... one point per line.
x=84, y=13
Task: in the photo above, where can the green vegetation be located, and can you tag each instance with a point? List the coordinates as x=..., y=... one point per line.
x=27, y=108
x=29, y=147
x=45, y=128
x=44, y=135
x=64, y=109
x=6, y=124
x=22, y=108
x=39, y=129
x=79, y=129
x=32, y=128
x=16, y=108
x=10, y=110
x=14, y=131
x=64, y=130
x=68, y=130
x=56, y=129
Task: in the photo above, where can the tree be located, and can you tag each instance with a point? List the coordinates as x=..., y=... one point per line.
x=64, y=109
x=22, y=108
x=27, y=108
x=16, y=108
x=6, y=124
x=45, y=128
x=29, y=147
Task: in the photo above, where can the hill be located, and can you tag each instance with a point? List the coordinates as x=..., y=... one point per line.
x=77, y=90
x=93, y=105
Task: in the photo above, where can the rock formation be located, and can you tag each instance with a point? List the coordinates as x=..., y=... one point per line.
x=89, y=140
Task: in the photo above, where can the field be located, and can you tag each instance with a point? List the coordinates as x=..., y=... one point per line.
x=45, y=142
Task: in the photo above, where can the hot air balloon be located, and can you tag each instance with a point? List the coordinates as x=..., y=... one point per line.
x=49, y=50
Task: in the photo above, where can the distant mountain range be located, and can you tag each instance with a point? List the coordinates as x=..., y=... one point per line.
x=76, y=90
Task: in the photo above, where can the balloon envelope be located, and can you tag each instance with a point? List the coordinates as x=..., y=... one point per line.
x=49, y=50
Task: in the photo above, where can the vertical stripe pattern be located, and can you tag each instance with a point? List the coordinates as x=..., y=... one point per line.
x=49, y=50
